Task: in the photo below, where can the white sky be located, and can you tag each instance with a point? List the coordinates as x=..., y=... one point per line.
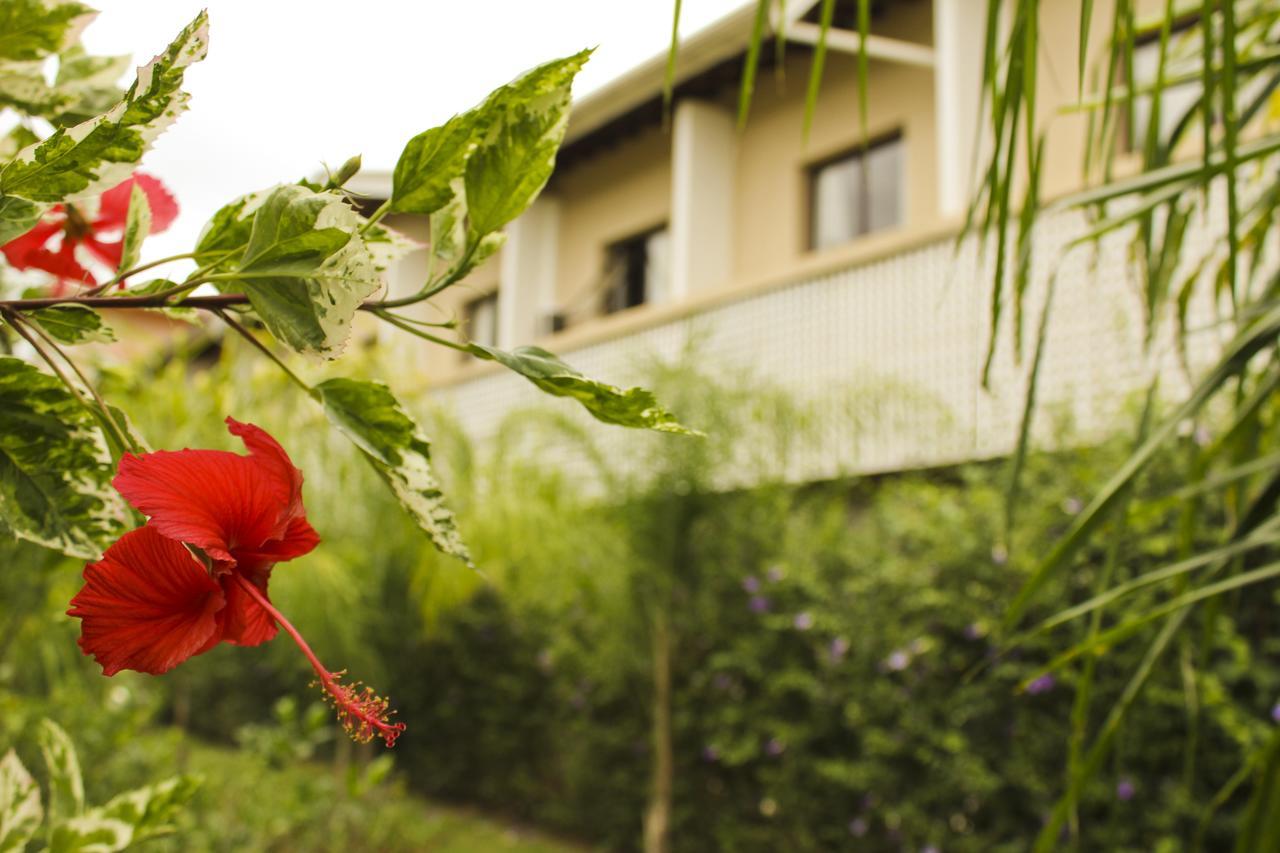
x=291, y=84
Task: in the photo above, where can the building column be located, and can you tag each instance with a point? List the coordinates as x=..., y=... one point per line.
x=958, y=38
x=703, y=166
x=527, y=276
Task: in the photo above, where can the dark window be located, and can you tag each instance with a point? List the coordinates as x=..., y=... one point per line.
x=636, y=270
x=856, y=194
x=481, y=318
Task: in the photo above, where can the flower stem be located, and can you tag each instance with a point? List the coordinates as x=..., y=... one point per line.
x=364, y=715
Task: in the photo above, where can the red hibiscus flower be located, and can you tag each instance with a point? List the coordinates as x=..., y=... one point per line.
x=32, y=251
x=196, y=574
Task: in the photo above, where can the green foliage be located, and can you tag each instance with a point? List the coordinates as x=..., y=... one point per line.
x=634, y=407
x=32, y=29
x=94, y=156
x=73, y=324
x=55, y=469
x=369, y=414
x=127, y=819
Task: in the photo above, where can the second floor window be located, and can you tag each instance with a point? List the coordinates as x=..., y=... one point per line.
x=481, y=318
x=636, y=270
x=856, y=194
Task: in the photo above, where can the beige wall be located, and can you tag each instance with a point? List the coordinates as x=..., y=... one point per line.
x=610, y=197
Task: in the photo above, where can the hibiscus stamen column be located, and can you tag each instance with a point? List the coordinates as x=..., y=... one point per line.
x=363, y=713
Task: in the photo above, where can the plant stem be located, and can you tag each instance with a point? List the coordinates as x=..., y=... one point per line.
x=119, y=277
x=383, y=210
x=403, y=325
x=263, y=348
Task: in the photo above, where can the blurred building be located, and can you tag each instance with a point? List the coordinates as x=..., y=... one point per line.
x=819, y=263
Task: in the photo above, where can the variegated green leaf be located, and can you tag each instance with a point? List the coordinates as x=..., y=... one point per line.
x=55, y=467
x=423, y=181
x=523, y=127
x=137, y=226
x=23, y=87
x=634, y=407
x=66, y=785
x=91, y=833
x=32, y=29
x=20, y=811
x=73, y=324
x=150, y=810
x=90, y=83
x=94, y=156
x=369, y=414
x=18, y=216
x=306, y=269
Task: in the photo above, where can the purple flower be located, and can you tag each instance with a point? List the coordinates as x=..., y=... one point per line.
x=1072, y=506
x=751, y=584
x=1202, y=436
x=1043, y=684
x=974, y=630
x=775, y=747
x=803, y=620
x=759, y=604
x=1125, y=790
x=838, y=649
x=1275, y=712
x=898, y=661
x=999, y=555
x=929, y=848
x=722, y=681
x=858, y=827
x=775, y=574
x=710, y=754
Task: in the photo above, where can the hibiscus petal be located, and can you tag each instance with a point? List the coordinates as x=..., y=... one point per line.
x=62, y=263
x=147, y=605
x=213, y=499
x=113, y=205
x=299, y=538
x=108, y=253
x=271, y=456
x=244, y=622
x=17, y=250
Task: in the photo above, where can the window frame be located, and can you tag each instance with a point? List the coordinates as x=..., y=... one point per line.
x=858, y=150
x=611, y=253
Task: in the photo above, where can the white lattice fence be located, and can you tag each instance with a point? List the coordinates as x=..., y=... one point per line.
x=905, y=337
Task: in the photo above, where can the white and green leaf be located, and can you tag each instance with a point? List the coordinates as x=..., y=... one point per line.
x=634, y=407
x=18, y=216
x=66, y=785
x=33, y=29
x=369, y=414
x=20, y=809
x=97, y=154
x=91, y=832
x=137, y=226
x=55, y=466
x=523, y=126
x=150, y=810
x=305, y=268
